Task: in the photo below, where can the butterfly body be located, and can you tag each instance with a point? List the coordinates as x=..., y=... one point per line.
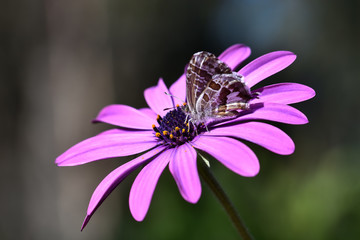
x=213, y=91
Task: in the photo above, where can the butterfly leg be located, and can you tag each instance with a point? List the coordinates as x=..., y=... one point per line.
x=255, y=95
x=206, y=127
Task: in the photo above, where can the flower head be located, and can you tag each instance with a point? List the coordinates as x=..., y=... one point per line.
x=165, y=137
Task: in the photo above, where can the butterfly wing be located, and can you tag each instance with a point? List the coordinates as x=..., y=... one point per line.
x=202, y=67
x=224, y=94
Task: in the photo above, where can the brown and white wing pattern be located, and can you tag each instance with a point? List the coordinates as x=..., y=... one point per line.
x=213, y=91
x=224, y=94
x=202, y=67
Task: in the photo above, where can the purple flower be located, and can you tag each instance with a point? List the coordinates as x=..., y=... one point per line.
x=164, y=138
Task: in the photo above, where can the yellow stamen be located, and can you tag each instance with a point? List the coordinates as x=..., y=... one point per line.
x=153, y=126
x=171, y=136
x=183, y=130
x=177, y=129
x=157, y=134
x=184, y=104
x=165, y=132
x=177, y=105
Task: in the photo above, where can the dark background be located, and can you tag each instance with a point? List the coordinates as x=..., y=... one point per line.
x=62, y=61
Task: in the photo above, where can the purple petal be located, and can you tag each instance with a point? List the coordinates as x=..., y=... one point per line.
x=271, y=112
x=232, y=153
x=150, y=113
x=235, y=55
x=265, y=66
x=115, y=131
x=107, y=145
x=263, y=134
x=286, y=93
x=157, y=99
x=184, y=170
x=125, y=116
x=144, y=185
x=111, y=181
x=178, y=90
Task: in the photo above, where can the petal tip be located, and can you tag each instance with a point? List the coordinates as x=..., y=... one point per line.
x=193, y=199
x=284, y=52
x=252, y=173
x=312, y=93
x=290, y=56
x=290, y=150
x=95, y=120
x=59, y=160
x=304, y=119
x=243, y=46
x=137, y=215
x=86, y=221
x=64, y=164
x=161, y=81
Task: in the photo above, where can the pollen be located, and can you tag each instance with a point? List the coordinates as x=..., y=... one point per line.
x=175, y=129
x=158, y=119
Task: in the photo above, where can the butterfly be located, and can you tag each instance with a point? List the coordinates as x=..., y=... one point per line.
x=213, y=91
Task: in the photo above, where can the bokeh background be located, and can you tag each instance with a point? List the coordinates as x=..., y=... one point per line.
x=62, y=61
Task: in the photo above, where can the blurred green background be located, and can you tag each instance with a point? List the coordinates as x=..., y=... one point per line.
x=62, y=61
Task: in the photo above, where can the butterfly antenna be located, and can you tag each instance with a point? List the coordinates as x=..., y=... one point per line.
x=174, y=97
x=165, y=109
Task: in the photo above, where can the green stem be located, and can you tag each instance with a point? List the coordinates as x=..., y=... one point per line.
x=215, y=187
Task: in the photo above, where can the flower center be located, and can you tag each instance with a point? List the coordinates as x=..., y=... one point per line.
x=175, y=129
